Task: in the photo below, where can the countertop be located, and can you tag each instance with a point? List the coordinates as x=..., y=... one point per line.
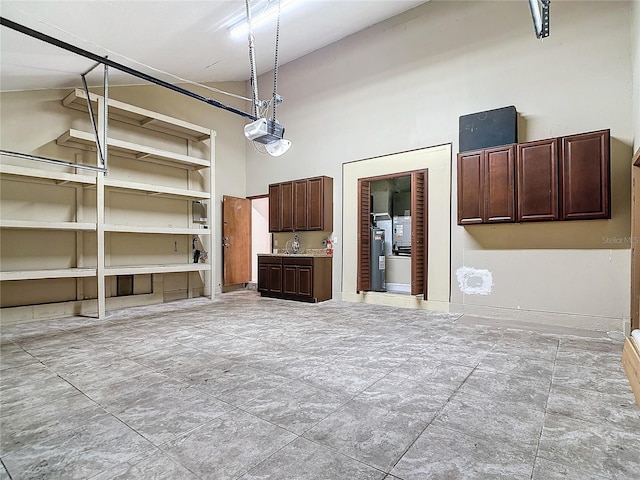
x=320, y=252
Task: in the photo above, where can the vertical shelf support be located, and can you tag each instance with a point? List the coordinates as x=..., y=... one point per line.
x=100, y=204
x=105, y=120
x=103, y=128
x=209, y=285
x=79, y=217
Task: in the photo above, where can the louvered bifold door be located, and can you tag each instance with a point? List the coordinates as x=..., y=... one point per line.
x=419, y=223
x=364, y=236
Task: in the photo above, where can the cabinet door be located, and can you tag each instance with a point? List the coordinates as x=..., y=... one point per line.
x=286, y=199
x=316, y=204
x=322, y=284
x=289, y=284
x=499, y=184
x=537, y=173
x=275, y=278
x=263, y=278
x=305, y=281
x=300, y=205
x=470, y=187
x=584, y=173
x=275, y=207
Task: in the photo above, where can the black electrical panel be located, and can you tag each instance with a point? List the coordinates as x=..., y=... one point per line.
x=490, y=128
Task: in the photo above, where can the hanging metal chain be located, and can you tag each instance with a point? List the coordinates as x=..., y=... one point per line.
x=252, y=60
x=275, y=68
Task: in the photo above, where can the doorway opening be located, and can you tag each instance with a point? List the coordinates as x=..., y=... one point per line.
x=245, y=234
x=261, y=239
x=392, y=240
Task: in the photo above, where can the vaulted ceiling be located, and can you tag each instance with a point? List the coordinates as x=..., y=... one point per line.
x=187, y=38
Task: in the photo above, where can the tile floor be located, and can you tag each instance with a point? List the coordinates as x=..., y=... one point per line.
x=252, y=388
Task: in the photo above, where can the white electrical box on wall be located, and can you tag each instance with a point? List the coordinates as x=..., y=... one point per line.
x=199, y=212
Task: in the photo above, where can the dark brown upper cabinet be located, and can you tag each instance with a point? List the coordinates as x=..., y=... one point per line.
x=584, y=168
x=537, y=173
x=500, y=184
x=275, y=207
x=286, y=207
x=301, y=205
x=281, y=207
x=565, y=178
x=471, y=187
x=320, y=209
x=486, y=186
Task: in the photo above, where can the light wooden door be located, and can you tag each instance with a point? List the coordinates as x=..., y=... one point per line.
x=236, y=240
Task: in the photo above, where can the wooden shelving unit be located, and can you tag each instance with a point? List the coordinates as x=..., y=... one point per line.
x=163, y=230
x=146, y=269
x=43, y=175
x=86, y=141
x=153, y=189
x=119, y=182
x=33, y=225
x=140, y=117
x=50, y=273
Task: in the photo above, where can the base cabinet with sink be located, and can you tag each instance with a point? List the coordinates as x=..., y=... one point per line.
x=269, y=275
x=295, y=277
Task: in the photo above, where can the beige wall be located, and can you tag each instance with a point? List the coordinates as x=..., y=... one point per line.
x=403, y=84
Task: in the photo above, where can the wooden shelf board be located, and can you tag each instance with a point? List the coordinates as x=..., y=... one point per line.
x=53, y=273
x=146, y=269
x=126, y=113
x=159, y=230
x=28, y=172
x=86, y=141
x=155, y=189
x=29, y=224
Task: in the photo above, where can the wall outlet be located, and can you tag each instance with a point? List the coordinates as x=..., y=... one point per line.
x=334, y=240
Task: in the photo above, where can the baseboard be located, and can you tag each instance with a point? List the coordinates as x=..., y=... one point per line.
x=558, y=319
x=504, y=316
x=33, y=313
x=396, y=300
